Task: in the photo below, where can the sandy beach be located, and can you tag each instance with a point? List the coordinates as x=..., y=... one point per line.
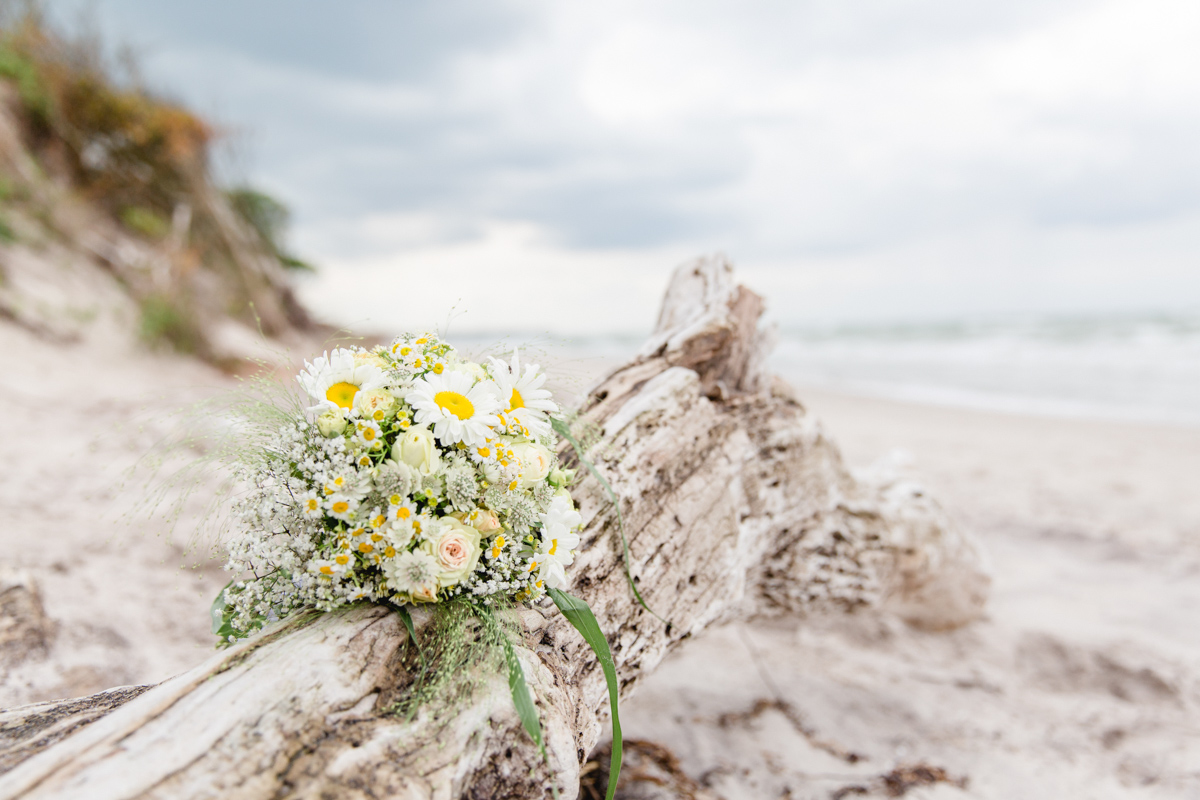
x=1081, y=681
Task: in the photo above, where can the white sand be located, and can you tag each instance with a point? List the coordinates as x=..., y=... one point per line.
x=127, y=604
x=1082, y=682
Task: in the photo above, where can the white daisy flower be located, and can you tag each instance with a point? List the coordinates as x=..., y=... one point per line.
x=335, y=567
x=341, y=506
x=310, y=504
x=413, y=573
x=369, y=433
x=526, y=402
x=458, y=408
x=401, y=510
x=334, y=379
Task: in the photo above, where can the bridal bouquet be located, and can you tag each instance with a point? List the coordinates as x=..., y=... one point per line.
x=412, y=476
x=416, y=476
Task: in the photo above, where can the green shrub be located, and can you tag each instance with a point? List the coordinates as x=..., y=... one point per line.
x=145, y=221
x=164, y=322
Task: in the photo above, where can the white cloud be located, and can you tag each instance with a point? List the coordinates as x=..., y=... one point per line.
x=857, y=158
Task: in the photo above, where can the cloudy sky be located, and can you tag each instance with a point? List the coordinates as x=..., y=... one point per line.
x=543, y=165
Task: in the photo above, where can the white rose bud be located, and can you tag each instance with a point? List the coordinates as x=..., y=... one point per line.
x=561, y=478
x=483, y=520
x=417, y=448
x=331, y=424
x=535, y=462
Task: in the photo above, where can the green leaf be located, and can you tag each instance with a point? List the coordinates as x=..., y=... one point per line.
x=406, y=617
x=580, y=615
x=217, y=611
x=564, y=430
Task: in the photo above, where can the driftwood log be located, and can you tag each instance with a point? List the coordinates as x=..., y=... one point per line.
x=736, y=504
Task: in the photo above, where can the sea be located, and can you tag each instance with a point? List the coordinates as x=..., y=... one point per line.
x=1142, y=369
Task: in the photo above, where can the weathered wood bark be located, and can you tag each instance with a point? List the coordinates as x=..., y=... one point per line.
x=735, y=503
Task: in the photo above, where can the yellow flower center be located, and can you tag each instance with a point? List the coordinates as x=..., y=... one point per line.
x=485, y=452
x=368, y=434
x=365, y=547
x=403, y=513
x=516, y=401
x=390, y=552
x=326, y=569
x=438, y=368
x=341, y=394
x=455, y=403
x=553, y=546
x=341, y=507
x=312, y=504
x=342, y=559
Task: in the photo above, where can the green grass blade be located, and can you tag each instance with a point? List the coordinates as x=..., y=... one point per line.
x=564, y=430
x=580, y=615
x=406, y=617
x=522, y=699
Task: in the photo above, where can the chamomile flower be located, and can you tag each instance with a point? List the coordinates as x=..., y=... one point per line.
x=525, y=401
x=334, y=379
x=458, y=408
x=341, y=506
x=334, y=567
x=369, y=434
x=401, y=510
x=310, y=504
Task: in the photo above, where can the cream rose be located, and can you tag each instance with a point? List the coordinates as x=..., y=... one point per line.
x=456, y=549
x=417, y=448
x=331, y=424
x=535, y=462
x=375, y=404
